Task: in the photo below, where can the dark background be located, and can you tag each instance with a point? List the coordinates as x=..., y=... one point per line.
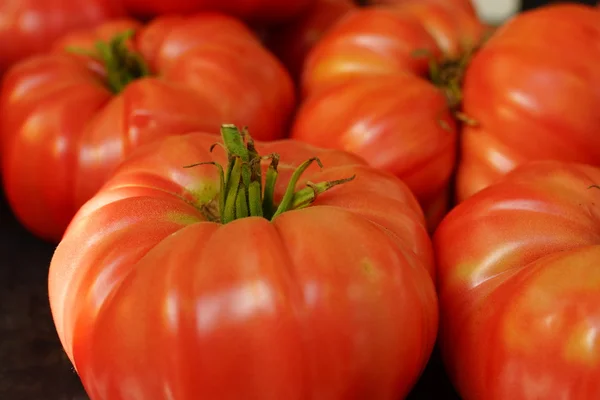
x=32, y=363
x=529, y=4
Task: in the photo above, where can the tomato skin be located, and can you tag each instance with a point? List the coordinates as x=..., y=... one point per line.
x=292, y=41
x=29, y=27
x=519, y=286
x=317, y=301
x=254, y=10
x=55, y=158
x=418, y=144
x=520, y=88
x=355, y=86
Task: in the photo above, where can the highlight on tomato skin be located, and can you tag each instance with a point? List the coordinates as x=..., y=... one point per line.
x=519, y=285
x=192, y=269
x=70, y=116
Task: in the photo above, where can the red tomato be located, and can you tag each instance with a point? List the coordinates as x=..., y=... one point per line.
x=30, y=26
x=372, y=97
x=519, y=286
x=292, y=41
x=154, y=290
x=255, y=10
x=534, y=90
x=66, y=124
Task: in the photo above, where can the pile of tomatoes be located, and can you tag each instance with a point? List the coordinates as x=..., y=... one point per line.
x=298, y=199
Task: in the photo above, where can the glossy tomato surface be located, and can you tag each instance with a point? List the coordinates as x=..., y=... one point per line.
x=332, y=301
x=255, y=10
x=367, y=91
x=64, y=130
x=519, y=286
x=534, y=91
x=29, y=27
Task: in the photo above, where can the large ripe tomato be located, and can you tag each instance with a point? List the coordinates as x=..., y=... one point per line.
x=66, y=124
x=30, y=26
x=519, y=286
x=372, y=97
x=254, y=10
x=534, y=90
x=163, y=286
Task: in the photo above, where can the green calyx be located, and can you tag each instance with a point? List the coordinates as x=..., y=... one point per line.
x=242, y=191
x=122, y=65
x=447, y=75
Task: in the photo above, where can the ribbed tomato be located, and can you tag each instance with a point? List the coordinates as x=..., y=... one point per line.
x=293, y=40
x=255, y=10
x=251, y=283
x=519, y=286
x=29, y=27
x=534, y=90
x=367, y=92
x=68, y=119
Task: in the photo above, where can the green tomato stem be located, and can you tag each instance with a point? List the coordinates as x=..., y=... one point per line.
x=242, y=193
x=270, y=180
x=122, y=65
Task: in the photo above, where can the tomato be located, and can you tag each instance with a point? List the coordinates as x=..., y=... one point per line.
x=520, y=88
x=292, y=41
x=519, y=286
x=372, y=97
x=30, y=26
x=68, y=121
x=255, y=10
x=207, y=293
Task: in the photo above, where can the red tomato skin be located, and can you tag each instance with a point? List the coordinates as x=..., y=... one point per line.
x=29, y=27
x=292, y=41
x=253, y=10
x=207, y=69
x=367, y=63
x=334, y=301
x=534, y=90
x=519, y=285
x=399, y=124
